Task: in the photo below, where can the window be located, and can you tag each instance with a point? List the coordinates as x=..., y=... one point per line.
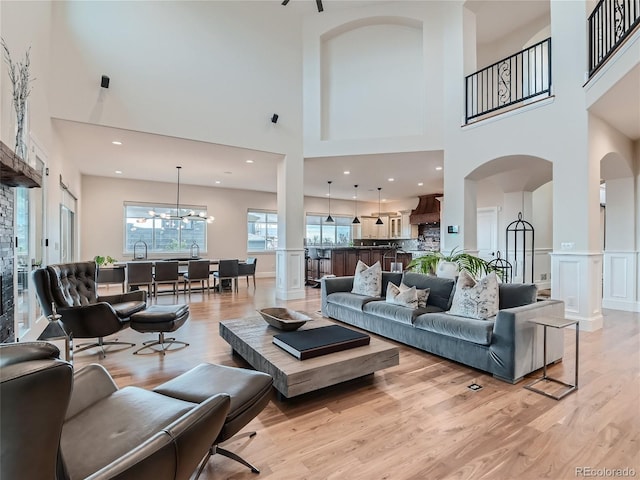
x=163, y=235
x=262, y=231
x=320, y=233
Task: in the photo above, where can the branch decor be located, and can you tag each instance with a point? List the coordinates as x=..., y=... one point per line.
x=20, y=79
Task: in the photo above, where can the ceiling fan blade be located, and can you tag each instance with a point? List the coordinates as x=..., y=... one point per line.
x=319, y=4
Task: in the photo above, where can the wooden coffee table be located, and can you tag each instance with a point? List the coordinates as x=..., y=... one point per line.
x=251, y=338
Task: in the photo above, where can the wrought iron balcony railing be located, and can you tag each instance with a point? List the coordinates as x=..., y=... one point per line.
x=609, y=24
x=512, y=80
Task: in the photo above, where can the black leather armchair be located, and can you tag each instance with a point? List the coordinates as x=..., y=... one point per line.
x=71, y=289
x=106, y=432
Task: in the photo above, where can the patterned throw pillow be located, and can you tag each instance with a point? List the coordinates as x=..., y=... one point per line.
x=368, y=280
x=423, y=294
x=475, y=299
x=406, y=298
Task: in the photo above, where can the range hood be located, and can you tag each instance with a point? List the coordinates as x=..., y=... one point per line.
x=427, y=211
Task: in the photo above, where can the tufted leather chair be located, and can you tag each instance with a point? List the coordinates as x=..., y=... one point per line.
x=57, y=425
x=70, y=289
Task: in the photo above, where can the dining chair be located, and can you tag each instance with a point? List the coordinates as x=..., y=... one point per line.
x=248, y=268
x=197, y=271
x=140, y=274
x=166, y=272
x=227, y=270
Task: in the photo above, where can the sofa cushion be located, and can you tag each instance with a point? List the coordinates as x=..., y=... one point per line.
x=367, y=280
x=350, y=300
x=407, y=297
x=471, y=330
x=422, y=293
x=392, y=311
x=439, y=288
x=475, y=298
x=517, y=294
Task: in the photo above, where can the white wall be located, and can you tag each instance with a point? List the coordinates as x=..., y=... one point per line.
x=28, y=25
x=211, y=71
x=373, y=87
x=377, y=124
x=103, y=220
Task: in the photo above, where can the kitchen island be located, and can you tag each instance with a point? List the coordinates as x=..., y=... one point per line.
x=341, y=261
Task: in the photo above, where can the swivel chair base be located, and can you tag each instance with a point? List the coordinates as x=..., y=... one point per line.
x=226, y=453
x=100, y=343
x=162, y=341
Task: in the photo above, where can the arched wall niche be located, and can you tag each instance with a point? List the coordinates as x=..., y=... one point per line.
x=373, y=79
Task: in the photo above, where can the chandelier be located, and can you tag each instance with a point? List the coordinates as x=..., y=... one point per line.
x=185, y=217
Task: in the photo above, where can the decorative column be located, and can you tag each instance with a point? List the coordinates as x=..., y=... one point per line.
x=576, y=261
x=290, y=252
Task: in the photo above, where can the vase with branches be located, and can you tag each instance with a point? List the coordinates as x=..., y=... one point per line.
x=20, y=76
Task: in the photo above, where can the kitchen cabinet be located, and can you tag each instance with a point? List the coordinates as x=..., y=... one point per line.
x=344, y=260
x=406, y=229
x=395, y=227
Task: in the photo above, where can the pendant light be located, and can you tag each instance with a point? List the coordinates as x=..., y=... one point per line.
x=329, y=219
x=379, y=221
x=356, y=219
x=186, y=218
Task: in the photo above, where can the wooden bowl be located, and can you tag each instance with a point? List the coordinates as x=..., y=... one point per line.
x=283, y=318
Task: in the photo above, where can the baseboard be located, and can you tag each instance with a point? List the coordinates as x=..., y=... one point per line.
x=624, y=305
x=588, y=324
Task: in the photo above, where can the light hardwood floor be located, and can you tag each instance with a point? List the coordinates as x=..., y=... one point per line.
x=417, y=420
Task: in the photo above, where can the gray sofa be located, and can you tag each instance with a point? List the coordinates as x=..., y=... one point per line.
x=507, y=345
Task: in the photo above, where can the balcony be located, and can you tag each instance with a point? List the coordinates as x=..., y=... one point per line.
x=610, y=24
x=510, y=82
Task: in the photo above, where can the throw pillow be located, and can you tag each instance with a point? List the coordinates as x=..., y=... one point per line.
x=367, y=280
x=475, y=299
x=406, y=298
x=423, y=294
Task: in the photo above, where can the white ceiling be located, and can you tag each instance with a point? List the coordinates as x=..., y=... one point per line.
x=146, y=156
x=620, y=106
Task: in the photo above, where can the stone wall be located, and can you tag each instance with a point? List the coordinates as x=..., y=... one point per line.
x=7, y=333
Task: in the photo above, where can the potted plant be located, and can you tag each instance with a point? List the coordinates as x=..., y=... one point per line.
x=106, y=274
x=104, y=261
x=449, y=264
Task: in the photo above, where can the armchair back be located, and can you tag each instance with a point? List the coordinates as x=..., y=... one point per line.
x=73, y=284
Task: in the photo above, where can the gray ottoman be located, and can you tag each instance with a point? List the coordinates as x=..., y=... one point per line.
x=160, y=319
x=250, y=392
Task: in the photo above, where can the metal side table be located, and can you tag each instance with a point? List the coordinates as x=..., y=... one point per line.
x=555, y=322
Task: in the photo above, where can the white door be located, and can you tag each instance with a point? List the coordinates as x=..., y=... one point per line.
x=487, y=231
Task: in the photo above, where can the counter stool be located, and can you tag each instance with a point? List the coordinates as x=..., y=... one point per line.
x=160, y=319
x=250, y=392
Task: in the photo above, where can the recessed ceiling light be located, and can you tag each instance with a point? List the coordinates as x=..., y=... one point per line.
x=391, y=179
x=346, y=172
x=116, y=142
x=218, y=182
x=248, y=161
x=420, y=184
x=119, y=172
x=438, y=168
x=384, y=199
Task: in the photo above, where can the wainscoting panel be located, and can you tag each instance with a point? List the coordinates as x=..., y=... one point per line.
x=576, y=278
x=290, y=274
x=620, y=281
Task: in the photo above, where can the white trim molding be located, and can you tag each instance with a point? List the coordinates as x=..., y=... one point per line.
x=576, y=278
x=290, y=274
x=620, y=277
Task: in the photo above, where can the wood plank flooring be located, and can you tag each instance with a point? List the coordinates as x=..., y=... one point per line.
x=417, y=420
